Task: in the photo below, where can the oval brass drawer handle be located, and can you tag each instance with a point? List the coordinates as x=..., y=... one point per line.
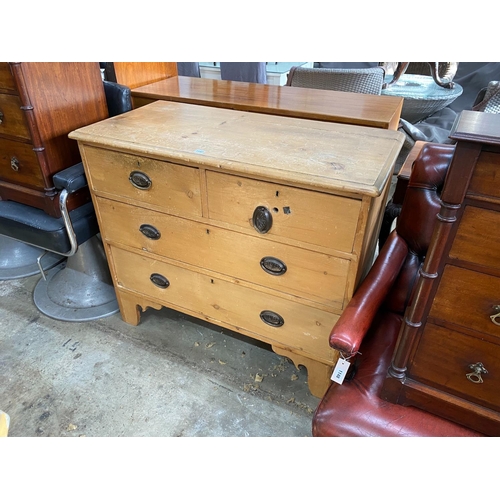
x=273, y=266
x=140, y=180
x=159, y=280
x=262, y=219
x=272, y=319
x=475, y=375
x=150, y=231
x=496, y=317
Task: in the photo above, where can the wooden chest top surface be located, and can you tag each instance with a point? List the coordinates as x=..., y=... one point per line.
x=319, y=155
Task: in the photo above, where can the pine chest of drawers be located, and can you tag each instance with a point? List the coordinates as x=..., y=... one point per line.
x=448, y=357
x=40, y=103
x=261, y=224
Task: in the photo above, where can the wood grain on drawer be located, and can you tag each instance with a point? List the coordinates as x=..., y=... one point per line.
x=22, y=156
x=312, y=275
x=6, y=78
x=174, y=188
x=443, y=360
x=478, y=237
x=307, y=216
x=467, y=298
x=217, y=300
x=486, y=177
x=13, y=121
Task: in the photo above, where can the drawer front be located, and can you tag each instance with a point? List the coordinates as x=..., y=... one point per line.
x=468, y=299
x=19, y=164
x=486, y=177
x=12, y=117
x=304, y=328
x=300, y=272
x=316, y=218
x=478, y=237
x=443, y=360
x=166, y=186
x=6, y=78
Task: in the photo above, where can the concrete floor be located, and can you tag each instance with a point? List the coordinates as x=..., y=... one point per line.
x=172, y=375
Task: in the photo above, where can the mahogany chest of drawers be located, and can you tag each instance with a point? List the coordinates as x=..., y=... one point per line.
x=261, y=224
x=448, y=357
x=40, y=103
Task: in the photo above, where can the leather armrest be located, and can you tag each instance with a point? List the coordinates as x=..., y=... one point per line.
x=355, y=321
x=72, y=178
x=118, y=98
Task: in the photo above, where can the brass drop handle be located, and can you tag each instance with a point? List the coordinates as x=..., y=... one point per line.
x=1, y=118
x=159, y=280
x=262, y=219
x=496, y=317
x=477, y=370
x=273, y=266
x=272, y=318
x=140, y=180
x=14, y=164
x=150, y=231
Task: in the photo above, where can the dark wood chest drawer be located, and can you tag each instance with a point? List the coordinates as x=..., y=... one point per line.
x=19, y=164
x=12, y=121
x=486, y=177
x=450, y=361
x=468, y=299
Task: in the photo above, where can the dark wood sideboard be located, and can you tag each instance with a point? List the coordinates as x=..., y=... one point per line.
x=447, y=360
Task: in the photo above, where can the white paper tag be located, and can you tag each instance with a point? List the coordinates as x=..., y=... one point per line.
x=340, y=370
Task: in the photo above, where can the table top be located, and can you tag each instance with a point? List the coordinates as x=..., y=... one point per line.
x=330, y=157
x=326, y=105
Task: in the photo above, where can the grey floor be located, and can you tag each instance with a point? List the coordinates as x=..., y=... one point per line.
x=171, y=375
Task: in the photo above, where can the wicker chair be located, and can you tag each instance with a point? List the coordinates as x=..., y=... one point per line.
x=363, y=81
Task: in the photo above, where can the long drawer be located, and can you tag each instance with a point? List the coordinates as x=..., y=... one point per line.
x=271, y=318
x=444, y=358
x=298, y=214
x=12, y=122
x=477, y=226
x=467, y=298
x=19, y=164
x=167, y=186
x=312, y=275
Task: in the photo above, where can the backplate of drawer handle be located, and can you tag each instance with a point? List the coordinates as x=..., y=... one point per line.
x=159, y=280
x=496, y=317
x=14, y=164
x=140, y=180
x=273, y=266
x=272, y=319
x=1, y=118
x=262, y=219
x=475, y=375
x=150, y=231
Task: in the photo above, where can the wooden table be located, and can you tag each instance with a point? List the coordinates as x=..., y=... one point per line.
x=253, y=222
x=325, y=105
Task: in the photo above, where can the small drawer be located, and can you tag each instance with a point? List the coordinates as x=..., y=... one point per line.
x=275, y=210
x=444, y=358
x=468, y=299
x=19, y=164
x=478, y=238
x=167, y=186
x=12, y=121
x=271, y=318
x=6, y=79
x=486, y=177
x=303, y=273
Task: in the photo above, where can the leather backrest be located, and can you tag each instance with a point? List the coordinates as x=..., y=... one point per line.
x=415, y=224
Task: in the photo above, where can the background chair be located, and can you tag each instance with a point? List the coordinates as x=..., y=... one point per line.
x=189, y=69
x=80, y=288
x=244, y=71
x=368, y=329
x=360, y=80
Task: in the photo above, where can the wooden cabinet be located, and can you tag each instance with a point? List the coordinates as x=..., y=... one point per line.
x=40, y=103
x=448, y=356
x=261, y=224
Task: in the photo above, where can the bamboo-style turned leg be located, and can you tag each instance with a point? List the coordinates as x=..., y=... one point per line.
x=131, y=306
x=318, y=374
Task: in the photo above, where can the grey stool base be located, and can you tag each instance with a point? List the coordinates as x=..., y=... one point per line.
x=19, y=260
x=80, y=289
